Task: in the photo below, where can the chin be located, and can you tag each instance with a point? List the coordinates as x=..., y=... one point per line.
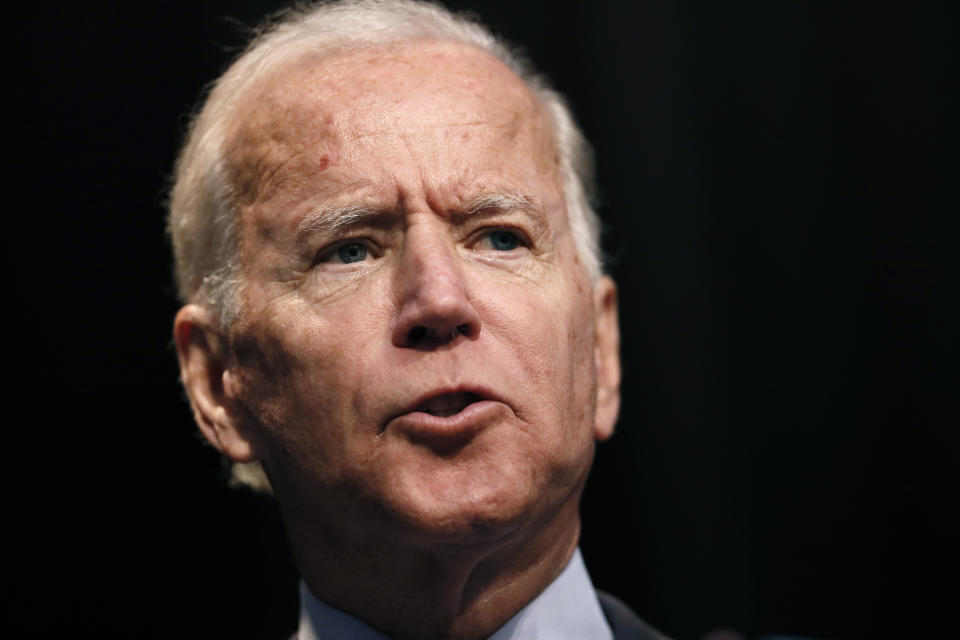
x=465, y=506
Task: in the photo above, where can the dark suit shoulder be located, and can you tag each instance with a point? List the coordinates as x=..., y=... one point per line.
x=626, y=625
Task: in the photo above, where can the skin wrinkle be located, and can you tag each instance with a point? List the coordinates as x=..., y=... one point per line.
x=251, y=165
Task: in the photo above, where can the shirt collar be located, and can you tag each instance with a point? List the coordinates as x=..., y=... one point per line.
x=567, y=609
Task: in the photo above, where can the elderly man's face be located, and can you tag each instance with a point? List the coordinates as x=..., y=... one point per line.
x=420, y=345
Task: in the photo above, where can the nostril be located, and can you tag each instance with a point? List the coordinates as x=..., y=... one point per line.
x=421, y=336
x=417, y=334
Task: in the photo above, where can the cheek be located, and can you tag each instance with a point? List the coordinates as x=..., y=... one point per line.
x=572, y=314
x=300, y=371
x=547, y=332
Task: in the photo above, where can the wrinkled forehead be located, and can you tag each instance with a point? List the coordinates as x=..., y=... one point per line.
x=347, y=97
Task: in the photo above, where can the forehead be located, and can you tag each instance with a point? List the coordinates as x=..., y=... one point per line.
x=312, y=112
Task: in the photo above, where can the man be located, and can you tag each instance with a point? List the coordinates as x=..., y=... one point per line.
x=394, y=317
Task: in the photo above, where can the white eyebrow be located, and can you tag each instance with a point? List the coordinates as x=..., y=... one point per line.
x=499, y=201
x=329, y=219
x=494, y=204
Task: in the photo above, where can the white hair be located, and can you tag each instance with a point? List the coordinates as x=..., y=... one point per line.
x=203, y=218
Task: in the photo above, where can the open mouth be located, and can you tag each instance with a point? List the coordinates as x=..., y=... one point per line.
x=448, y=404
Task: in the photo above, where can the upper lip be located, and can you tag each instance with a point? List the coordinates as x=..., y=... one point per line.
x=469, y=393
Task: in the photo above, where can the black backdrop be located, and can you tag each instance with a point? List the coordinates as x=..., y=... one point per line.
x=775, y=178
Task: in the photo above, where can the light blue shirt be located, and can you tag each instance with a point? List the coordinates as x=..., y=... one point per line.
x=567, y=609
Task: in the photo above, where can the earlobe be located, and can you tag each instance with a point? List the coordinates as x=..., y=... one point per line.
x=607, y=356
x=203, y=357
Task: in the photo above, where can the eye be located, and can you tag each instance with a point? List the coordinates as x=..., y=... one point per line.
x=346, y=253
x=352, y=252
x=502, y=240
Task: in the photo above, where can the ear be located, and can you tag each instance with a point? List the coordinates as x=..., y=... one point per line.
x=203, y=354
x=607, y=356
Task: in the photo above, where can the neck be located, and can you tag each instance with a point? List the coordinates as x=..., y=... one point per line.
x=443, y=591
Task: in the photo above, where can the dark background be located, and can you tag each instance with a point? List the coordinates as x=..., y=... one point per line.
x=775, y=178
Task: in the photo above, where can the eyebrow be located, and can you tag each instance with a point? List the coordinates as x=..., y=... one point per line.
x=498, y=202
x=329, y=219
x=492, y=204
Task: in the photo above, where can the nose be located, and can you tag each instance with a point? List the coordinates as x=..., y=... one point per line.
x=433, y=299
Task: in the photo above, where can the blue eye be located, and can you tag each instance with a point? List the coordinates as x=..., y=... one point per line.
x=352, y=252
x=501, y=240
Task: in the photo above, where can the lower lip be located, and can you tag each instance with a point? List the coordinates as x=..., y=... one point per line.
x=450, y=430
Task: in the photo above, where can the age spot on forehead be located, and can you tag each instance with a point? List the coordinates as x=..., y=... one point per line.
x=326, y=160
